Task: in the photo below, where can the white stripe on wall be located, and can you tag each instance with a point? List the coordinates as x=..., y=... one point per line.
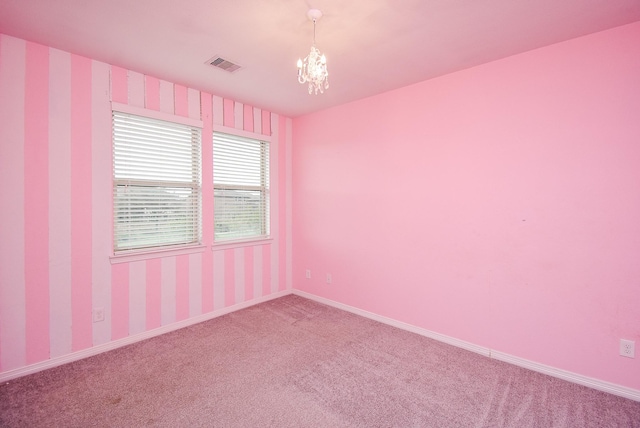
x=274, y=150
x=257, y=120
x=100, y=198
x=257, y=271
x=12, y=279
x=195, y=284
x=238, y=260
x=218, y=279
x=166, y=97
x=238, y=118
x=59, y=202
x=193, y=100
x=137, y=297
x=137, y=270
x=218, y=110
x=168, y=291
x=135, y=88
x=289, y=208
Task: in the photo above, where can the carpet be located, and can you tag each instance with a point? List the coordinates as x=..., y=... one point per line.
x=292, y=362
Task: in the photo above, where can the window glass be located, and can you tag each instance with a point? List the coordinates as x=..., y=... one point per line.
x=241, y=187
x=156, y=183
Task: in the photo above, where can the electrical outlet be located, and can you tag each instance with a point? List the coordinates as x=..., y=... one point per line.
x=328, y=278
x=98, y=314
x=307, y=274
x=627, y=348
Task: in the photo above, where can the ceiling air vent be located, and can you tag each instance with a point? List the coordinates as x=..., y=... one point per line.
x=223, y=64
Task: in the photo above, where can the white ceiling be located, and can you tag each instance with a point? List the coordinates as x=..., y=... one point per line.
x=372, y=46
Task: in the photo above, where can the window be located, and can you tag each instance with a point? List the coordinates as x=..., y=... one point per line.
x=156, y=183
x=241, y=187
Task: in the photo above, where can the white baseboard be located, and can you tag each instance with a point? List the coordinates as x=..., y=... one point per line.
x=404, y=326
x=600, y=385
x=98, y=349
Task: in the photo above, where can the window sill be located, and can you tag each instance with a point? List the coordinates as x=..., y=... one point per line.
x=225, y=245
x=135, y=256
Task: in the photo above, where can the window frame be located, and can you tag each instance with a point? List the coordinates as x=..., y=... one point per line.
x=252, y=240
x=142, y=253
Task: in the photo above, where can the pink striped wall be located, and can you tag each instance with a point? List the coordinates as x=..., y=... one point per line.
x=498, y=205
x=55, y=265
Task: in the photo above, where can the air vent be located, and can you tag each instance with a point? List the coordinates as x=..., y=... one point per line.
x=223, y=64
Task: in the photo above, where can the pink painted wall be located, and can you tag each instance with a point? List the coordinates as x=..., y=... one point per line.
x=498, y=205
x=55, y=217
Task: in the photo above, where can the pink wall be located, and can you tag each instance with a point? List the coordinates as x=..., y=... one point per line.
x=498, y=205
x=55, y=219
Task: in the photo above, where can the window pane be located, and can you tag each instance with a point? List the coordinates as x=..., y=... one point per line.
x=239, y=213
x=151, y=216
x=241, y=187
x=157, y=195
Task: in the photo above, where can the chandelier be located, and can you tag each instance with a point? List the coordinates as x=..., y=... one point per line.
x=314, y=67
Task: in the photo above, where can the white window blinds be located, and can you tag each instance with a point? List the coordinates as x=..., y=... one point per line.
x=156, y=183
x=241, y=187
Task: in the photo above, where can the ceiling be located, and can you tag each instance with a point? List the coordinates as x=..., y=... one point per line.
x=372, y=46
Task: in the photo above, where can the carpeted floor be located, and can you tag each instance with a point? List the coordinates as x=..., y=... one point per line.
x=292, y=362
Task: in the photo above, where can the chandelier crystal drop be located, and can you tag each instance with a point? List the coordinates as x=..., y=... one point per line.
x=313, y=69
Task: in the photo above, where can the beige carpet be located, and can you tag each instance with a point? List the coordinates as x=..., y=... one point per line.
x=292, y=362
